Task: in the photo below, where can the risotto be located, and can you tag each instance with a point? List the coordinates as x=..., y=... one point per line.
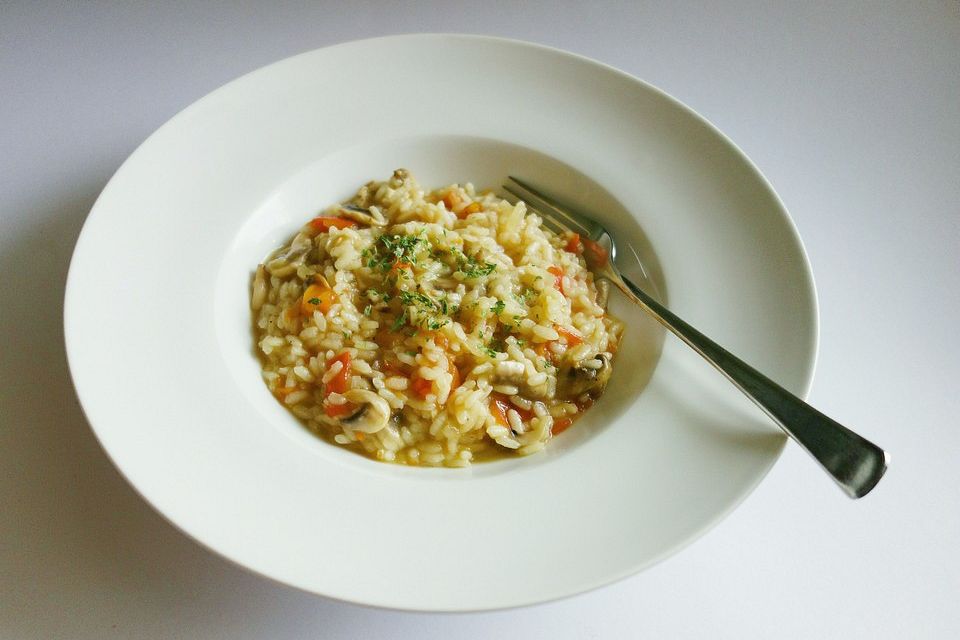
x=432, y=328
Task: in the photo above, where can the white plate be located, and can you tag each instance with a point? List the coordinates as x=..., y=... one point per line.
x=157, y=323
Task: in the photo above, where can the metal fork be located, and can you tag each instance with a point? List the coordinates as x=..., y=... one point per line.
x=855, y=463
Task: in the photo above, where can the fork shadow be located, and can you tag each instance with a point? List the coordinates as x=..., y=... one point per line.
x=81, y=554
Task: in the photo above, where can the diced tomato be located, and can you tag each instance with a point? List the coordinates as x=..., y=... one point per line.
x=317, y=297
x=573, y=338
x=337, y=410
x=499, y=408
x=557, y=277
x=595, y=254
x=322, y=224
x=543, y=350
x=340, y=383
x=422, y=387
x=526, y=415
x=573, y=243
x=500, y=405
x=560, y=425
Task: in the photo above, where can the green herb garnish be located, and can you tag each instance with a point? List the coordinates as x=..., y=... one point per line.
x=400, y=321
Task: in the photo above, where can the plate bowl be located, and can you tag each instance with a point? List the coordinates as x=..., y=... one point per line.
x=158, y=334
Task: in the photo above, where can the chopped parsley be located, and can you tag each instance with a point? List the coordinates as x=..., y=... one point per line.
x=498, y=308
x=367, y=310
x=471, y=267
x=389, y=250
x=418, y=299
x=400, y=321
x=314, y=300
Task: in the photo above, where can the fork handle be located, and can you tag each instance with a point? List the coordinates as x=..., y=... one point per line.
x=856, y=464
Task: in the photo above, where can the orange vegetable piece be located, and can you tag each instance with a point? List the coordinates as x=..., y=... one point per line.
x=573, y=338
x=340, y=383
x=558, y=277
x=499, y=408
x=473, y=207
x=560, y=425
x=422, y=387
x=317, y=297
x=573, y=244
x=595, y=254
x=451, y=200
x=456, y=382
x=500, y=405
x=322, y=224
x=337, y=410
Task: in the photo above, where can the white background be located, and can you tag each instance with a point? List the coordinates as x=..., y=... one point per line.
x=852, y=110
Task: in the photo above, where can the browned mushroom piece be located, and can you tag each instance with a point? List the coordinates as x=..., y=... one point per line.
x=372, y=414
x=589, y=377
x=367, y=216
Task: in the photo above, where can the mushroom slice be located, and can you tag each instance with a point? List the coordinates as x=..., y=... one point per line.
x=372, y=414
x=589, y=377
x=259, y=288
x=286, y=262
x=369, y=216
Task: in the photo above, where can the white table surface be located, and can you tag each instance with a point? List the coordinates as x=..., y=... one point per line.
x=852, y=110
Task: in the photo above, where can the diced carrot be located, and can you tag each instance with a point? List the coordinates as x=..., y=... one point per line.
x=558, y=277
x=560, y=425
x=473, y=207
x=441, y=340
x=422, y=387
x=341, y=381
x=451, y=200
x=317, y=297
x=573, y=243
x=322, y=224
x=573, y=338
x=337, y=410
x=398, y=265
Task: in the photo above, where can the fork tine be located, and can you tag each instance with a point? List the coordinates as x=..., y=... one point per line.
x=548, y=219
x=545, y=204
